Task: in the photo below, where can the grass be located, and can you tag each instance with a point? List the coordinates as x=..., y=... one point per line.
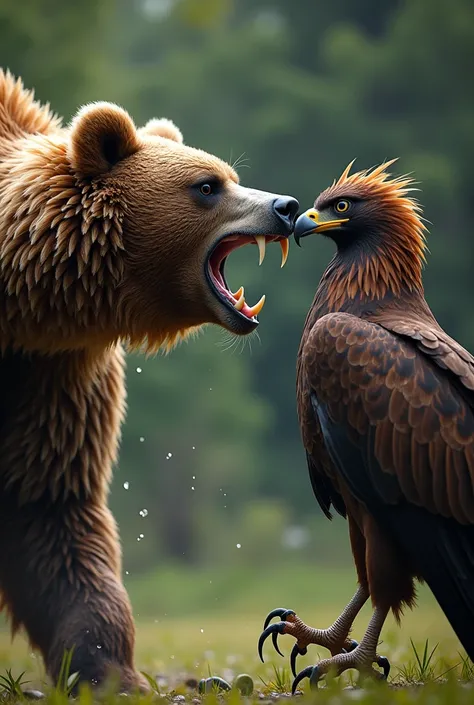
x=220, y=639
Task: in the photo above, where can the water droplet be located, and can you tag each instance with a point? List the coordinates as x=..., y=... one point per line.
x=194, y=447
x=170, y=455
x=171, y=657
x=126, y=485
x=202, y=631
x=99, y=646
x=210, y=389
x=143, y=512
x=127, y=573
x=192, y=488
x=141, y=439
x=194, y=477
x=139, y=369
x=142, y=536
x=239, y=545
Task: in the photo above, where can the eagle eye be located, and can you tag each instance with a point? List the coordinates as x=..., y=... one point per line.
x=342, y=206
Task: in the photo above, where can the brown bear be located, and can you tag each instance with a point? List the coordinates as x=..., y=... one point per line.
x=108, y=233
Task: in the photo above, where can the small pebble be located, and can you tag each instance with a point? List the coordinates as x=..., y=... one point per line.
x=34, y=694
x=207, y=685
x=244, y=683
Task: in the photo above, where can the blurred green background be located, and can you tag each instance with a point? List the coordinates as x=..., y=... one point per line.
x=212, y=494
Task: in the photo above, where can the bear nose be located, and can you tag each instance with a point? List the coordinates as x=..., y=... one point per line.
x=286, y=208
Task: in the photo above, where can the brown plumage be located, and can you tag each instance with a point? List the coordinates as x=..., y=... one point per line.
x=386, y=408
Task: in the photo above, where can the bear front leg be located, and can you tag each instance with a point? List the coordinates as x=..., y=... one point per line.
x=60, y=580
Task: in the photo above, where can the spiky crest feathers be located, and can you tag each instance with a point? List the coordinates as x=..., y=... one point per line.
x=397, y=261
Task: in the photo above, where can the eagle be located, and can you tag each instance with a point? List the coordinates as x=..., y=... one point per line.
x=385, y=401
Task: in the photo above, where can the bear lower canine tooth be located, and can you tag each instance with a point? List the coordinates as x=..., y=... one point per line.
x=240, y=303
x=255, y=310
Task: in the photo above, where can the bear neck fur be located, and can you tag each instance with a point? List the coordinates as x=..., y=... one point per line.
x=61, y=246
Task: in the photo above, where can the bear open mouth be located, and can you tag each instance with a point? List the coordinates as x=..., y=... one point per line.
x=215, y=270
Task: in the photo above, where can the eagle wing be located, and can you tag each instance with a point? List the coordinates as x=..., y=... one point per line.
x=405, y=402
x=396, y=414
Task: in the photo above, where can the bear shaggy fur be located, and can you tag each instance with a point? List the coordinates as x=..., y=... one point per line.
x=106, y=235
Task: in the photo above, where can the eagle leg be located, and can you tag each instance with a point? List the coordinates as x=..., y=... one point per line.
x=335, y=638
x=361, y=658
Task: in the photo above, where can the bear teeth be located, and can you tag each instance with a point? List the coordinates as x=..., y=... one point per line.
x=261, y=242
x=285, y=247
x=255, y=310
x=240, y=303
x=250, y=312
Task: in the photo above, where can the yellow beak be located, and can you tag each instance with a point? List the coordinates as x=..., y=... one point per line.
x=311, y=222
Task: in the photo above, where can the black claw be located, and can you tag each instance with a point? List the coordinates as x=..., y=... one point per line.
x=286, y=614
x=314, y=678
x=275, y=642
x=311, y=672
x=295, y=652
x=354, y=644
x=274, y=630
x=384, y=664
x=279, y=612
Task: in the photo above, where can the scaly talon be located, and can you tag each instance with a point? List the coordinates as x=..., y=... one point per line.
x=360, y=658
x=315, y=673
x=335, y=638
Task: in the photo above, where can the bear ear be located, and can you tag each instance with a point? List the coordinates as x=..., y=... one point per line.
x=162, y=127
x=102, y=134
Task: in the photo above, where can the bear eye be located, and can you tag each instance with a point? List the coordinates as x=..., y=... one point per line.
x=342, y=206
x=207, y=190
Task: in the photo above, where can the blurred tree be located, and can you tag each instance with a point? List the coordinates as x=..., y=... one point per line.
x=192, y=446
x=58, y=48
x=299, y=89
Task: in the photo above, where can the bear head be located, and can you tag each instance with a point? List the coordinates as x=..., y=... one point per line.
x=111, y=232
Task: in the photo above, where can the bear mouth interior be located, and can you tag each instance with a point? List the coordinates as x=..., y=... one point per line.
x=216, y=266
